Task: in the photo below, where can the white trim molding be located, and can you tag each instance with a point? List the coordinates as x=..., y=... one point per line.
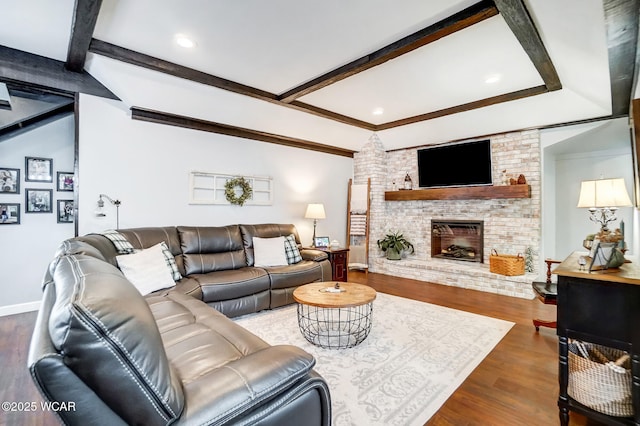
x=19, y=308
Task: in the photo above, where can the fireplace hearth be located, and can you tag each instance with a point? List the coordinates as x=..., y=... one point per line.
x=458, y=240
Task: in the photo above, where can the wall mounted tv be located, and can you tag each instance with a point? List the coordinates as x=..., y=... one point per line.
x=458, y=164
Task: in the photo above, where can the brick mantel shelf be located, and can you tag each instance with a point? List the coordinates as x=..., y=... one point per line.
x=461, y=193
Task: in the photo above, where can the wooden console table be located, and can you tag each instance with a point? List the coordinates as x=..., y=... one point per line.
x=601, y=307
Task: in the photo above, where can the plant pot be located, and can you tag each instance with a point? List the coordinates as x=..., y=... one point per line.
x=393, y=254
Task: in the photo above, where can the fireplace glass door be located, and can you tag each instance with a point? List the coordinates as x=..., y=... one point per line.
x=457, y=240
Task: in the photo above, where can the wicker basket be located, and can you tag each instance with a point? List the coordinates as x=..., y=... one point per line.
x=506, y=264
x=600, y=378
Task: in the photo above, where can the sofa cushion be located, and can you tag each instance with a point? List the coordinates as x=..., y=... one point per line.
x=269, y=252
x=291, y=249
x=268, y=230
x=217, y=360
x=109, y=338
x=232, y=283
x=208, y=249
x=303, y=272
x=147, y=269
x=142, y=238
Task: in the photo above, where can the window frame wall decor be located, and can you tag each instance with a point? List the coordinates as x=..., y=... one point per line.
x=209, y=189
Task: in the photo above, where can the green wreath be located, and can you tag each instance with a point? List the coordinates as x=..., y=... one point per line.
x=230, y=191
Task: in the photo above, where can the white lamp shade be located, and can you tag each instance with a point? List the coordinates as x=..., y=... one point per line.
x=315, y=211
x=604, y=193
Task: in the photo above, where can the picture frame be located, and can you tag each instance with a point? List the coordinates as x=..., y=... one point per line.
x=602, y=256
x=66, y=211
x=9, y=213
x=65, y=181
x=38, y=169
x=321, y=242
x=38, y=200
x=9, y=181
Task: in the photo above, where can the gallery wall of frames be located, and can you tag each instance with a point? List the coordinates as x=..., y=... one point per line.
x=36, y=182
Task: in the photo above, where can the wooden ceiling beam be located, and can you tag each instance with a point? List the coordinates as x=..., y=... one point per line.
x=519, y=94
x=456, y=22
x=17, y=66
x=240, y=132
x=152, y=63
x=84, y=22
x=621, y=21
x=519, y=21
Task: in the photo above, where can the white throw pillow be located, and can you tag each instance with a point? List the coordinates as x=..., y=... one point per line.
x=147, y=270
x=269, y=252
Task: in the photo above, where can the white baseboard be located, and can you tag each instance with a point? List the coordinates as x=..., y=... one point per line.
x=19, y=308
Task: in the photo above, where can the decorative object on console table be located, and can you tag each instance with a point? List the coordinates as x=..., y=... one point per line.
x=603, y=197
x=338, y=260
x=315, y=211
x=394, y=244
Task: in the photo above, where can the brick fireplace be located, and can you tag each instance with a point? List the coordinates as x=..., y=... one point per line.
x=508, y=225
x=461, y=240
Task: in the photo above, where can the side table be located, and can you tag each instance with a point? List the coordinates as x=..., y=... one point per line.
x=338, y=259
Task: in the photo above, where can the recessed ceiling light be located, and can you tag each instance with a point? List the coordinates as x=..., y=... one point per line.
x=493, y=78
x=184, y=41
x=378, y=111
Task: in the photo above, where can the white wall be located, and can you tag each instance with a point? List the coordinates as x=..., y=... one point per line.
x=147, y=165
x=572, y=223
x=29, y=247
x=571, y=155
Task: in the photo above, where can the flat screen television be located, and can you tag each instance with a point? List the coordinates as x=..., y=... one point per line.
x=458, y=164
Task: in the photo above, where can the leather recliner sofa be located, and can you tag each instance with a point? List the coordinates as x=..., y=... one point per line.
x=169, y=357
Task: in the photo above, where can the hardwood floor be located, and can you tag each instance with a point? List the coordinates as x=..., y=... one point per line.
x=516, y=384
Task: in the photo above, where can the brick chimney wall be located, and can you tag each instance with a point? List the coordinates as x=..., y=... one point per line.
x=510, y=225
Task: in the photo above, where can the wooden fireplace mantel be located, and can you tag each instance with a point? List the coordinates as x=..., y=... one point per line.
x=461, y=193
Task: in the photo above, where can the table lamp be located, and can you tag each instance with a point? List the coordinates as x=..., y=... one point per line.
x=315, y=212
x=603, y=197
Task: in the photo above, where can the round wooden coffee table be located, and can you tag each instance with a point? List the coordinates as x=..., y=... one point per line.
x=334, y=315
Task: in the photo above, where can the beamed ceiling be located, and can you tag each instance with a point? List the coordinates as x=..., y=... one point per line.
x=312, y=74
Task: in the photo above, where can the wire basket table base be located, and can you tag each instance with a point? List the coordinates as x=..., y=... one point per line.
x=335, y=328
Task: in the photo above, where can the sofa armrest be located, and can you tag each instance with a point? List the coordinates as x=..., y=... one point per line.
x=313, y=254
x=238, y=387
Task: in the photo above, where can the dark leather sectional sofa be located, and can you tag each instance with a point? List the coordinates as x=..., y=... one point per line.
x=174, y=356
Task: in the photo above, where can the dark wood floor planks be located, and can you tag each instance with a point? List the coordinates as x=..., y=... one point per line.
x=516, y=384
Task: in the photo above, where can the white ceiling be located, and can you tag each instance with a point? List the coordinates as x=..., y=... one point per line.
x=279, y=44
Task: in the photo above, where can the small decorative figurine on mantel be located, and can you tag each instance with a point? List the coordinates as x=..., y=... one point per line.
x=408, y=184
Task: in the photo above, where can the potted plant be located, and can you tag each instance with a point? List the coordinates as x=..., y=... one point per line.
x=393, y=244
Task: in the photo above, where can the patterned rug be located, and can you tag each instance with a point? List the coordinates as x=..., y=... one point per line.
x=415, y=357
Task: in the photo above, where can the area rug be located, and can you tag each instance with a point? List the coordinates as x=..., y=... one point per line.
x=415, y=357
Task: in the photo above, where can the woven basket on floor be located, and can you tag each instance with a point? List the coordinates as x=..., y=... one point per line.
x=600, y=378
x=506, y=264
